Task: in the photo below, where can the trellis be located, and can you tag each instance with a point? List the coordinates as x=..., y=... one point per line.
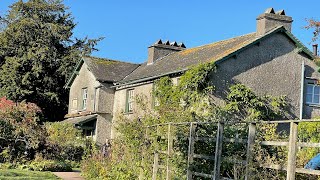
x=293, y=144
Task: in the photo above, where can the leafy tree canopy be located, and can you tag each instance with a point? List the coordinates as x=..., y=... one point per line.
x=37, y=54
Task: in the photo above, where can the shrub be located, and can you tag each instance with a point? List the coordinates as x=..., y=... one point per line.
x=49, y=165
x=64, y=142
x=20, y=131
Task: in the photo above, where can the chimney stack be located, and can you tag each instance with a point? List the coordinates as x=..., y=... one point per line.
x=271, y=19
x=315, y=49
x=160, y=49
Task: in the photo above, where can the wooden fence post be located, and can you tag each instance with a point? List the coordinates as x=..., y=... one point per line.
x=155, y=166
x=146, y=138
x=218, y=152
x=191, y=149
x=250, y=146
x=169, y=151
x=291, y=169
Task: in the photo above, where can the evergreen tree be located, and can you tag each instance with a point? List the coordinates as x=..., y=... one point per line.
x=38, y=53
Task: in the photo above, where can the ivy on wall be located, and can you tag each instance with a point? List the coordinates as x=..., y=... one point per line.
x=189, y=100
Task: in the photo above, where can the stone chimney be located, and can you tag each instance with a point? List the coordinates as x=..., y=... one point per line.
x=271, y=19
x=161, y=49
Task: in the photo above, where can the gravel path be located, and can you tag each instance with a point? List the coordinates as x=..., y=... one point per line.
x=69, y=175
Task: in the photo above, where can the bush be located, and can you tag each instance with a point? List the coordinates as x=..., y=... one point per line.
x=20, y=131
x=49, y=165
x=64, y=142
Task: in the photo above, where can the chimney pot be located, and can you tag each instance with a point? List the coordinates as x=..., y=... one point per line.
x=269, y=11
x=315, y=49
x=160, y=49
x=281, y=12
x=270, y=20
x=174, y=43
x=158, y=42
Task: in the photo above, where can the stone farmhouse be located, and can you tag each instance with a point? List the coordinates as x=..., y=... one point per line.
x=270, y=60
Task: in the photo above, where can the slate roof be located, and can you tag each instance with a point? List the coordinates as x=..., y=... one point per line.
x=188, y=57
x=182, y=60
x=109, y=70
x=104, y=70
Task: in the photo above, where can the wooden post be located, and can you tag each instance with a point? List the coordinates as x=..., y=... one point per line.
x=250, y=146
x=146, y=138
x=191, y=149
x=169, y=151
x=218, y=152
x=155, y=166
x=156, y=158
x=291, y=169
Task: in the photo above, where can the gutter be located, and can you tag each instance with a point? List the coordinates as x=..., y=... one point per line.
x=148, y=78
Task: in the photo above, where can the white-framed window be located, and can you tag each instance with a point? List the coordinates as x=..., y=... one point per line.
x=84, y=98
x=130, y=100
x=313, y=94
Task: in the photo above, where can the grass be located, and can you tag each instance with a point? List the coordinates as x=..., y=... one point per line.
x=24, y=174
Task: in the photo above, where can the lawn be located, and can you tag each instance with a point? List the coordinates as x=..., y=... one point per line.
x=24, y=174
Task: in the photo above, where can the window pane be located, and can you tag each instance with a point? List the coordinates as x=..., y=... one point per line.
x=316, y=99
x=316, y=90
x=309, y=89
x=309, y=98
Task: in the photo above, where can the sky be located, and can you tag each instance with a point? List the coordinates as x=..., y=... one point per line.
x=131, y=26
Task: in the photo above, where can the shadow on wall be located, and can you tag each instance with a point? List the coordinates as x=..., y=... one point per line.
x=255, y=67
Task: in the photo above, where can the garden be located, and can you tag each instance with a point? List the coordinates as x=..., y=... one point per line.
x=29, y=147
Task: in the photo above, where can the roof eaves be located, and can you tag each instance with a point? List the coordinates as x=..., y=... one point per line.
x=278, y=29
x=74, y=74
x=300, y=45
x=148, y=78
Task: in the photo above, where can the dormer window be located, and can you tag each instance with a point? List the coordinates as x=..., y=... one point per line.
x=84, y=98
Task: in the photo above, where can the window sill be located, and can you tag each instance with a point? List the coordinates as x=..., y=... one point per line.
x=313, y=105
x=127, y=113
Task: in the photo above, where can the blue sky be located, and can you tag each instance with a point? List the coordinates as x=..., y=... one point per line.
x=129, y=27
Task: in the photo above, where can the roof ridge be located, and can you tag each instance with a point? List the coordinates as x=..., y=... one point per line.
x=159, y=59
x=220, y=41
x=107, y=59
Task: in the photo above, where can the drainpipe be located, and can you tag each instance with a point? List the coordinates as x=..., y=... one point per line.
x=301, y=90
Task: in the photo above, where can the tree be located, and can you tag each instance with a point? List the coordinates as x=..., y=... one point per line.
x=315, y=26
x=38, y=53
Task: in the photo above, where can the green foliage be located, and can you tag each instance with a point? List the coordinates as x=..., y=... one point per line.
x=20, y=131
x=190, y=100
x=243, y=104
x=64, y=134
x=308, y=132
x=49, y=165
x=38, y=53
x=14, y=174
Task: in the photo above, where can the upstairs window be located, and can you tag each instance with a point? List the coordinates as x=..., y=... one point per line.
x=313, y=94
x=129, y=101
x=84, y=98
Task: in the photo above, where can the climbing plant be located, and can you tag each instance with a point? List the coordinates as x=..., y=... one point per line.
x=186, y=101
